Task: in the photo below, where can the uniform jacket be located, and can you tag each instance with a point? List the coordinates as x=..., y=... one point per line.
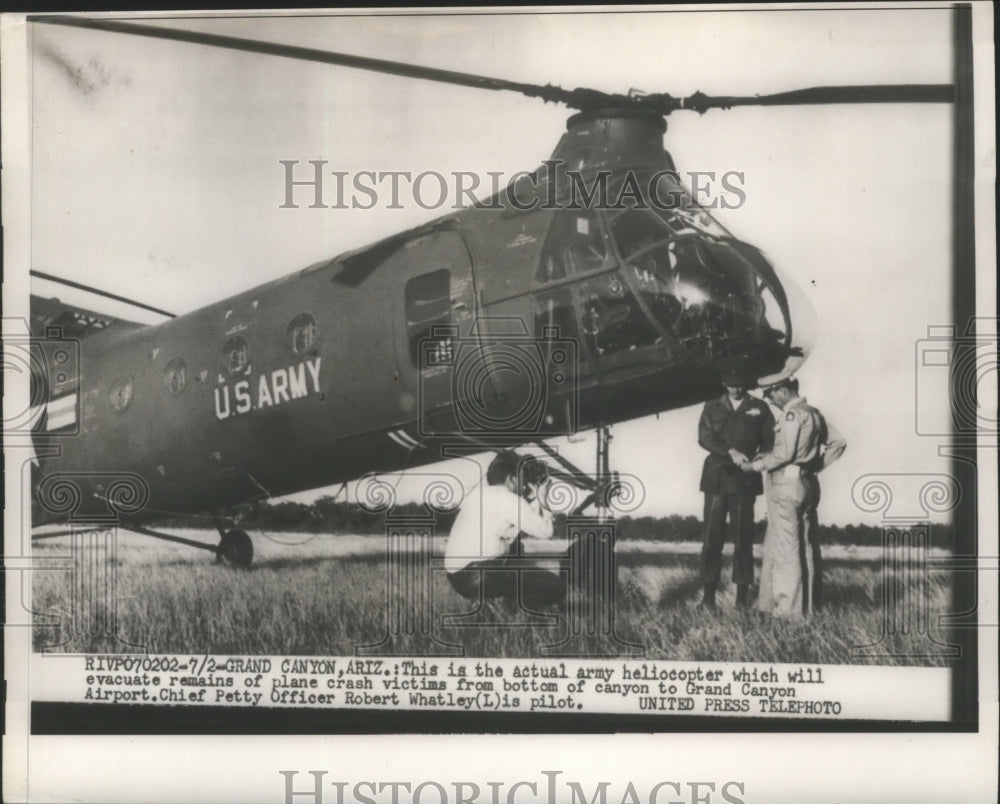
x=802, y=437
x=749, y=428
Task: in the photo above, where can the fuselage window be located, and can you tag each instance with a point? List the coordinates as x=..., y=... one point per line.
x=175, y=376
x=236, y=355
x=302, y=334
x=120, y=395
x=428, y=313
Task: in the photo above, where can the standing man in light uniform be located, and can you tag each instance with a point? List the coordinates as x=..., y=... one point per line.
x=803, y=447
x=732, y=428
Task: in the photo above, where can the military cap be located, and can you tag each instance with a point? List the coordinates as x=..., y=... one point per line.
x=738, y=378
x=790, y=383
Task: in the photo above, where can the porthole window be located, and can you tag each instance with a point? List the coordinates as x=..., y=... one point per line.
x=428, y=310
x=175, y=376
x=302, y=334
x=236, y=355
x=120, y=394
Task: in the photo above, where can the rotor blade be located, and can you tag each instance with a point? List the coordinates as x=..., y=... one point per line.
x=885, y=93
x=96, y=291
x=582, y=98
x=547, y=92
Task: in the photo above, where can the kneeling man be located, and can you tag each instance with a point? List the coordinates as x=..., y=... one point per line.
x=483, y=557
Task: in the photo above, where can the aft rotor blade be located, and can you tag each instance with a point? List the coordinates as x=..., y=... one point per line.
x=98, y=292
x=546, y=92
x=885, y=93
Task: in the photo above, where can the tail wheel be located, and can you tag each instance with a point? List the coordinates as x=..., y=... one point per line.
x=236, y=549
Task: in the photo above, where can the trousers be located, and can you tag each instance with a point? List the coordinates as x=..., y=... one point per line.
x=533, y=587
x=791, y=571
x=739, y=508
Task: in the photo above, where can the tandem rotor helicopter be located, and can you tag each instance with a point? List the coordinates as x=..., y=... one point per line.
x=497, y=326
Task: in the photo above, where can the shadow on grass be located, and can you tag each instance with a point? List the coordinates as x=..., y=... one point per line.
x=681, y=592
x=277, y=563
x=658, y=560
x=292, y=563
x=837, y=596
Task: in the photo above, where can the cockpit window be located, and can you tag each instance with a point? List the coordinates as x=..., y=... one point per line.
x=706, y=291
x=678, y=209
x=621, y=280
x=589, y=250
x=636, y=232
x=576, y=244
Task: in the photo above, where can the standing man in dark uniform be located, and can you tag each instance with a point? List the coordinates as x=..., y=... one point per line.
x=733, y=428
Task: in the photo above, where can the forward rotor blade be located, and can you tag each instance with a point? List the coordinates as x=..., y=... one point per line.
x=884, y=93
x=582, y=98
x=547, y=92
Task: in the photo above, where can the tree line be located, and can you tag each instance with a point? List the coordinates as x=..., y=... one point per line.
x=328, y=515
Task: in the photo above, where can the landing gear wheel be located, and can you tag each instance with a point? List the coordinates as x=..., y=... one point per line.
x=236, y=549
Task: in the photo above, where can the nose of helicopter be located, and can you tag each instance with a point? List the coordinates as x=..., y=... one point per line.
x=802, y=326
x=732, y=311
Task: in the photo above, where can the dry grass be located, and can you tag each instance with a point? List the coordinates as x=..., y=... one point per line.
x=327, y=595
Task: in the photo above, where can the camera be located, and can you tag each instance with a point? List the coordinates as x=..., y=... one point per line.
x=954, y=373
x=499, y=384
x=51, y=365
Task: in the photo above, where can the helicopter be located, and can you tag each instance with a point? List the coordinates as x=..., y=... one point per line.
x=547, y=310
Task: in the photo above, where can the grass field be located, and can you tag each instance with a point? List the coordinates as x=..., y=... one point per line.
x=327, y=595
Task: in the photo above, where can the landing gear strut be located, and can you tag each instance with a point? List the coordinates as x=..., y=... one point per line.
x=607, y=481
x=603, y=487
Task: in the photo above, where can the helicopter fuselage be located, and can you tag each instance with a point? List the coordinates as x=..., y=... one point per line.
x=494, y=326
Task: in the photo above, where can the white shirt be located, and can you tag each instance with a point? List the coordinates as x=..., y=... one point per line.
x=490, y=519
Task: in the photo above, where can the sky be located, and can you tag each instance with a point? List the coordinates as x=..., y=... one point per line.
x=156, y=174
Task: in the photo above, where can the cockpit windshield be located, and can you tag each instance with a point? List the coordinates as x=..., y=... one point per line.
x=631, y=278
